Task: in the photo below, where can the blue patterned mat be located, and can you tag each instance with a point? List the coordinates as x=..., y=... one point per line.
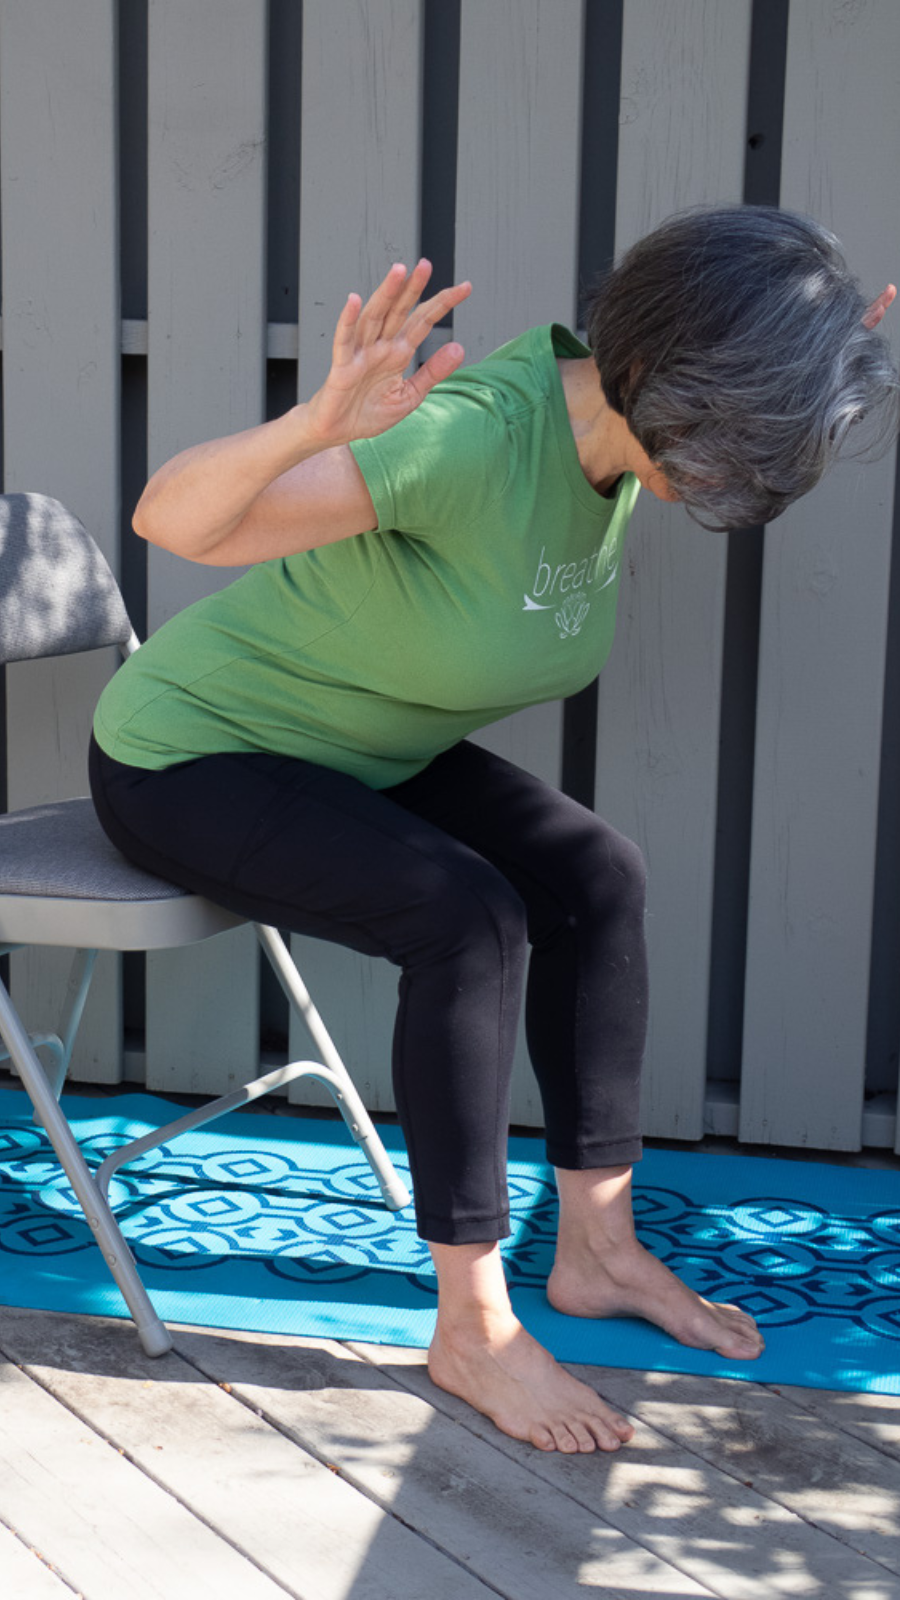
x=275, y=1224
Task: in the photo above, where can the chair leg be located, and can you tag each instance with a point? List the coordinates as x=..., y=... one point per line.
x=332, y=1072
x=80, y=975
x=62, y=1044
x=154, y=1336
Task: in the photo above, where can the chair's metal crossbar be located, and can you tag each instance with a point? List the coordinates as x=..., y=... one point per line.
x=330, y=1071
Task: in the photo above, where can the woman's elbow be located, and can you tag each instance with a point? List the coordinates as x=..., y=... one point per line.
x=145, y=525
x=139, y=524
x=156, y=530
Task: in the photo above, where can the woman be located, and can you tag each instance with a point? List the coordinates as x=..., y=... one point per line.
x=424, y=561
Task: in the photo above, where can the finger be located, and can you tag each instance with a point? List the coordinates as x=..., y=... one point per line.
x=433, y=310
x=412, y=291
x=439, y=366
x=878, y=307
x=344, y=342
x=380, y=304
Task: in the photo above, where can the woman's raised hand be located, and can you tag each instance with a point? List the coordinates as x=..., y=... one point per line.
x=367, y=391
x=876, y=310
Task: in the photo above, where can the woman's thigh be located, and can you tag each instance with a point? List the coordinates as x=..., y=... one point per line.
x=305, y=848
x=562, y=859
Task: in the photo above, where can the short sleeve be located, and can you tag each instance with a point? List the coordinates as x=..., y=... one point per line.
x=442, y=465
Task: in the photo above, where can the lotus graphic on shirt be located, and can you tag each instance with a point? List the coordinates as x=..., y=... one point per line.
x=563, y=590
x=571, y=614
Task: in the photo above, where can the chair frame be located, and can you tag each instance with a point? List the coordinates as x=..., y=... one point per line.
x=175, y=919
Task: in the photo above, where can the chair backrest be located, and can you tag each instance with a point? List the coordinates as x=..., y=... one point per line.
x=57, y=593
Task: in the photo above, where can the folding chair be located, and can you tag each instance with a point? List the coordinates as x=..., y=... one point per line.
x=63, y=883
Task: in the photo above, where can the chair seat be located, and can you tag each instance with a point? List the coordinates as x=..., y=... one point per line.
x=63, y=882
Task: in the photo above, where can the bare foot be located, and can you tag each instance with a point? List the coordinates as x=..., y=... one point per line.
x=629, y=1281
x=505, y=1374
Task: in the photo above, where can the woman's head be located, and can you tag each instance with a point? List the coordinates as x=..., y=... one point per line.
x=732, y=343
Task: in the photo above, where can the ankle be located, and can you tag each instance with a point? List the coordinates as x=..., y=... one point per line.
x=473, y=1299
x=597, y=1236
x=595, y=1213
x=462, y=1324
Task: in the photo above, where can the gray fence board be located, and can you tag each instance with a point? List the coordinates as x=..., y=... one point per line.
x=206, y=363
x=825, y=588
x=360, y=154
x=684, y=73
x=61, y=391
x=517, y=201
x=359, y=212
x=518, y=167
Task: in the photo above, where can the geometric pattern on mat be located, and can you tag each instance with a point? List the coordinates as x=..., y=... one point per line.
x=275, y=1223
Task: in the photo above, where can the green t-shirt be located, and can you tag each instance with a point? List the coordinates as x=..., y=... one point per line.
x=490, y=584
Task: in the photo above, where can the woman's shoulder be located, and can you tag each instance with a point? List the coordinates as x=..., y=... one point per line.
x=520, y=370
x=459, y=448
x=471, y=409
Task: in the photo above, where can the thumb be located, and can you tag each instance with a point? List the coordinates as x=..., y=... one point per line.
x=439, y=366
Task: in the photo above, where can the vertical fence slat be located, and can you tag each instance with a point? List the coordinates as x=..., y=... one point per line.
x=359, y=211
x=825, y=587
x=61, y=400
x=517, y=205
x=681, y=142
x=206, y=370
x=360, y=161
x=518, y=170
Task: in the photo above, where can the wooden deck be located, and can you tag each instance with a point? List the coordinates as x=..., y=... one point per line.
x=258, y=1467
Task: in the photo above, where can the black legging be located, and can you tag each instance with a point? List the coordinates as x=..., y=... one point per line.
x=450, y=876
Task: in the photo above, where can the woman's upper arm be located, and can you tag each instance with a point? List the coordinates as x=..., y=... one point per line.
x=321, y=500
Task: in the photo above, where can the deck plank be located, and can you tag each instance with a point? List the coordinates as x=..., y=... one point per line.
x=25, y=1575
x=799, y=1459
x=510, y=1527
x=716, y=1519
x=874, y=1418
x=99, y=1520
x=312, y=1534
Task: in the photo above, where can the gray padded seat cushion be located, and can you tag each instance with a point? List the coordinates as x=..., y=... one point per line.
x=60, y=850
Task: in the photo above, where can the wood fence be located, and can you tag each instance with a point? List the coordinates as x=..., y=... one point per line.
x=188, y=188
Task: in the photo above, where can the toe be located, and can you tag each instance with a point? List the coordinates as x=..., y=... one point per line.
x=605, y=1439
x=608, y=1435
x=739, y=1337
x=564, y=1439
x=741, y=1346
x=584, y=1437
x=608, y=1427
x=739, y=1318
x=542, y=1438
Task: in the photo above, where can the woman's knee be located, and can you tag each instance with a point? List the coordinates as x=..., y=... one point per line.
x=608, y=874
x=475, y=923
x=626, y=865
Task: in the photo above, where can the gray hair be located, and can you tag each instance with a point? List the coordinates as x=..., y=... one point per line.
x=731, y=340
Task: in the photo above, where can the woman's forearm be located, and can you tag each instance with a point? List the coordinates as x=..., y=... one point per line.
x=196, y=501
